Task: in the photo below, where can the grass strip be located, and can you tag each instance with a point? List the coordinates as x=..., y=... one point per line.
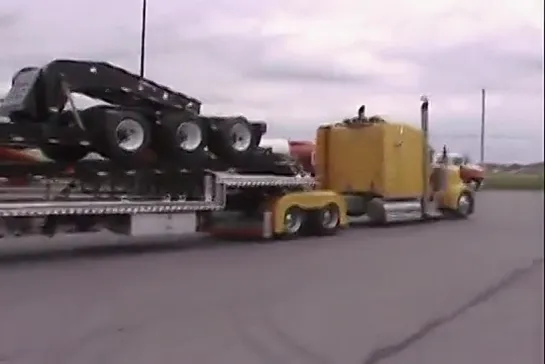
x=512, y=181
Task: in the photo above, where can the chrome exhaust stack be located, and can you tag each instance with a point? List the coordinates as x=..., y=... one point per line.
x=426, y=165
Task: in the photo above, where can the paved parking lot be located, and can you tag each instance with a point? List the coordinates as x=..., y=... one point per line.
x=447, y=292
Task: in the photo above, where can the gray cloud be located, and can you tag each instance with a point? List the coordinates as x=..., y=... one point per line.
x=296, y=71
x=8, y=20
x=511, y=62
x=218, y=51
x=258, y=57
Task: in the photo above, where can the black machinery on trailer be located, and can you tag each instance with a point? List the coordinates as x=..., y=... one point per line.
x=160, y=154
x=140, y=116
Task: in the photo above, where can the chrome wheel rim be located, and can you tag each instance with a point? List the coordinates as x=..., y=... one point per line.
x=129, y=135
x=330, y=218
x=189, y=136
x=464, y=204
x=292, y=222
x=241, y=137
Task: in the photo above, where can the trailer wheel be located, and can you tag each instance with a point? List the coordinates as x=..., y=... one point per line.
x=64, y=153
x=294, y=220
x=183, y=137
x=118, y=134
x=231, y=137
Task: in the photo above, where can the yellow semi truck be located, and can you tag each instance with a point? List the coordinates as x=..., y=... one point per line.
x=366, y=168
x=162, y=160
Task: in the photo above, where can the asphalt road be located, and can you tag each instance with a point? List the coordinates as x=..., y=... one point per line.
x=446, y=292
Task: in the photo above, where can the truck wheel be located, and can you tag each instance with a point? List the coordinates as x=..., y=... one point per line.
x=294, y=219
x=465, y=205
x=118, y=134
x=62, y=153
x=231, y=137
x=325, y=221
x=182, y=137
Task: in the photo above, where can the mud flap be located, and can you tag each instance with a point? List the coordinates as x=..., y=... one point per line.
x=267, y=232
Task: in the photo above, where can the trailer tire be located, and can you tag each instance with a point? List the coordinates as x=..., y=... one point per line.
x=182, y=137
x=64, y=154
x=118, y=134
x=232, y=138
x=61, y=152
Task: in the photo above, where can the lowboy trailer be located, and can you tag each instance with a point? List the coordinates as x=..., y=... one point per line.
x=162, y=159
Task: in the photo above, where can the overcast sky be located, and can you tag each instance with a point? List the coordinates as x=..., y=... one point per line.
x=300, y=63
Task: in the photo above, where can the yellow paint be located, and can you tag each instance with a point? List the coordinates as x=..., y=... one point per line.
x=307, y=200
x=455, y=187
x=385, y=159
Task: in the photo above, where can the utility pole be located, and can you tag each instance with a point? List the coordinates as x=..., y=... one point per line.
x=143, y=37
x=483, y=115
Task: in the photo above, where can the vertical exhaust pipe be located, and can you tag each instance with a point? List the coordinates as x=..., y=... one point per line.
x=426, y=168
x=361, y=113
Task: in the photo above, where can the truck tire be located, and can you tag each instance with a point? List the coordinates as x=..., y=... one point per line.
x=325, y=221
x=465, y=205
x=33, y=98
x=118, y=134
x=293, y=221
x=231, y=138
x=181, y=137
x=64, y=154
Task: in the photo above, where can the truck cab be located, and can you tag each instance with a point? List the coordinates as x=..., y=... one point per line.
x=384, y=170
